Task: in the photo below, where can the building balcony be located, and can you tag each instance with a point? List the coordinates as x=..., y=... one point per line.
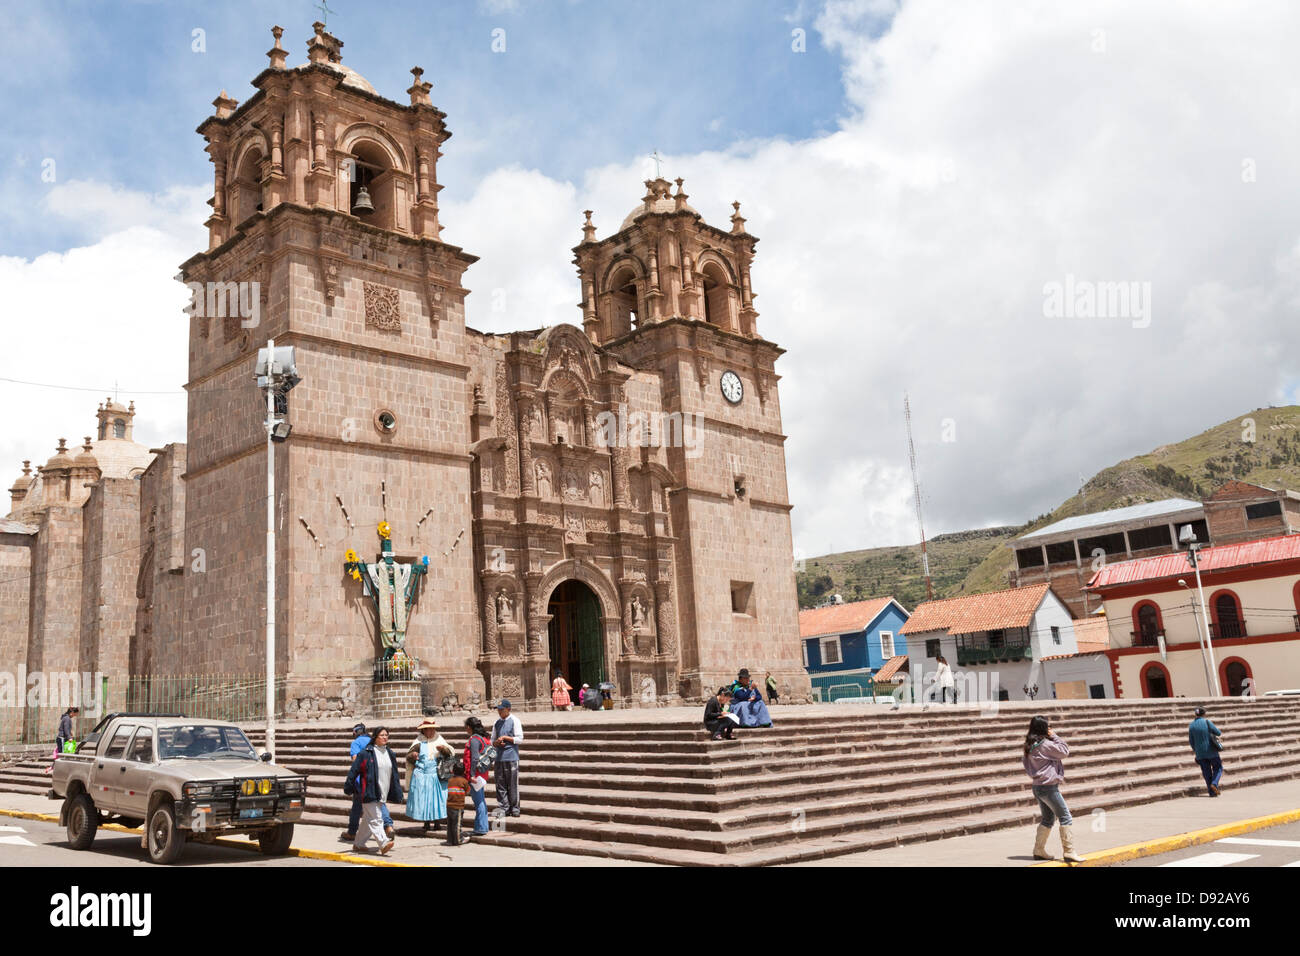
x=1006, y=653
x=1147, y=637
x=1227, y=627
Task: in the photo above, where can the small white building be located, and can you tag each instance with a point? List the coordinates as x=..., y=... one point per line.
x=995, y=643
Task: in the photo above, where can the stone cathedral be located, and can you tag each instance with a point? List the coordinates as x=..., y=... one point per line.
x=606, y=499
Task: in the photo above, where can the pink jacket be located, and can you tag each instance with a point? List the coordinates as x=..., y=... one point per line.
x=1043, y=763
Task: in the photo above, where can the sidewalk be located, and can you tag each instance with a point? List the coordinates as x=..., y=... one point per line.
x=1092, y=834
x=411, y=849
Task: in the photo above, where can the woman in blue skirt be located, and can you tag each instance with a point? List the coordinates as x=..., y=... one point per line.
x=426, y=798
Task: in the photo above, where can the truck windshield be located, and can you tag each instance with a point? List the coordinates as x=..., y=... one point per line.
x=203, y=741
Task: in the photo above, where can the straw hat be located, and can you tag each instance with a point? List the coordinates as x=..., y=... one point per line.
x=427, y=724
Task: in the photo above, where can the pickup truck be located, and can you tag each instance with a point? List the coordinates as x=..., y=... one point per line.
x=183, y=778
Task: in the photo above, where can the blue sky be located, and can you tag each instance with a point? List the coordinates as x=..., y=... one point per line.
x=114, y=91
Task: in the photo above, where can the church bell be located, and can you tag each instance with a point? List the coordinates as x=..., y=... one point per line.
x=363, y=206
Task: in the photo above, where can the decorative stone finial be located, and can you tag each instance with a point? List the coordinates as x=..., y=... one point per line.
x=419, y=89
x=63, y=445
x=737, y=220
x=225, y=105
x=27, y=466
x=323, y=47
x=680, y=196
x=86, y=447
x=278, y=54
x=588, y=228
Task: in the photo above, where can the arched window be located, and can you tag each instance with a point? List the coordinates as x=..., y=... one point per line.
x=717, y=304
x=119, y=428
x=247, y=187
x=625, y=312
x=1232, y=671
x=1225, y=616
x=1155, y=680
x=371, y=171
x=1148, y=625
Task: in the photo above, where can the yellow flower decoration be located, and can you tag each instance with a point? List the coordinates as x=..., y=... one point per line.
x=385, y=531
x=356, y=574
x=350, y=556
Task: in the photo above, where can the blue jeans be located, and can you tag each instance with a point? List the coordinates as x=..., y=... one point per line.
x=1053, y=805
x=480, y=810
x=354, y=818
x=1211, y=770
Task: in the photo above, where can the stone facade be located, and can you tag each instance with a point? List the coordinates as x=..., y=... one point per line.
x=614, y=490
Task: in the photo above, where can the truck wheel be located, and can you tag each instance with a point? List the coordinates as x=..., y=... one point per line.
x=83, y=822
x=275, y=842
x=166, y=840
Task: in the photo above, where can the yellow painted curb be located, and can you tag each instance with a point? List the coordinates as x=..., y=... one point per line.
x=233, y=844
x=1135, y=851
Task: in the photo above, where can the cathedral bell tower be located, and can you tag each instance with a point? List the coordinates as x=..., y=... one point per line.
x=672, y=293
x=324, y=235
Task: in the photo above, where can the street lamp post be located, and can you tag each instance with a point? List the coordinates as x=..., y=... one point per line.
x=1203, y=629
x=276, y=374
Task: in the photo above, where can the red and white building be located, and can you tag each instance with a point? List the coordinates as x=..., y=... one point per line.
x=1252, y=601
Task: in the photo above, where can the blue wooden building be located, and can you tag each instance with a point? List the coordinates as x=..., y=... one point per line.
x=846, y=646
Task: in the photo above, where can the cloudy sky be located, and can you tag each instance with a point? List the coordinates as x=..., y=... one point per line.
x=918, y=173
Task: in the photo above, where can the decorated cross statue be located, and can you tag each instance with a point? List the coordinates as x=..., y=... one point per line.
x=392, y=586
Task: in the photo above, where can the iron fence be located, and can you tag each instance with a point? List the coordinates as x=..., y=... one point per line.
x=232, y=697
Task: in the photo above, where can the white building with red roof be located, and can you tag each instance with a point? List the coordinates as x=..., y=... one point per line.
x=1014, y=644
x=1157, y=623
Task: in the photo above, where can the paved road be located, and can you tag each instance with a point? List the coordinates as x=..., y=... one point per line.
x=1274, y=847
x=36, y=843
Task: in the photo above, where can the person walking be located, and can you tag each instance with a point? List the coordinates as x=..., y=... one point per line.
x=1204, y=739
x=63, y=734
x=1043, y=756
x=360, y=741
x=560, y=688
x=507, y=734
x=476, y=746
x=943, y=677
x=375, y=776
x=426, y=799
x=772, y=695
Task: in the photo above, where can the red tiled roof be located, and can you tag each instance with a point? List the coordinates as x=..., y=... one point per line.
x=890, y=669
x=1218, y=558
x=840, y=618
x=1013, y=607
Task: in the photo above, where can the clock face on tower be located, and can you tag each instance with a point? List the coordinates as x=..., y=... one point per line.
x=732, y=389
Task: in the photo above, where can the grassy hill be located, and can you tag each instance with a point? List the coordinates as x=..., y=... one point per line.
x=972, y=562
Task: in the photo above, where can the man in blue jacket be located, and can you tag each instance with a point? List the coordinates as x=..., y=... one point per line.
x=1201, y=734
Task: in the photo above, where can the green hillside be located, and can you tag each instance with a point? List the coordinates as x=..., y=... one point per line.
x=971, y=562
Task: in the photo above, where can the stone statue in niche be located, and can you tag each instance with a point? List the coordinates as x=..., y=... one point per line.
x=536, y=429
x=543, y=478
x=505, y=609
x=638, y=612
x=573, y=486
x=597, y=488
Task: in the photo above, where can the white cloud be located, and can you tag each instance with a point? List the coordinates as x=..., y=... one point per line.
x=988, y=153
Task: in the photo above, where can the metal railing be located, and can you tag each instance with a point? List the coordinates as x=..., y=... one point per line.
x=232, y=697
x=1228, y=627
x=1147, y=637
x=396, y=668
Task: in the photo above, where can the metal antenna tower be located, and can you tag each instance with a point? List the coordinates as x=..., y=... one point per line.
x=916, y=493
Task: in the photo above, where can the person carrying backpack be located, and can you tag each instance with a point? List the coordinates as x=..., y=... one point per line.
x=479, y=757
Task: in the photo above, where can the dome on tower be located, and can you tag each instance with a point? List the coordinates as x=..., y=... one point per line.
x=658, y=199
x=350, y=76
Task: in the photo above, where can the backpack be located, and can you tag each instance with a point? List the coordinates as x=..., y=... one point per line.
x=486, y=758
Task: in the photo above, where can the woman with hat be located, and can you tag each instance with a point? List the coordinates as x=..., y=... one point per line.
x=747, y=702
x=426, y=798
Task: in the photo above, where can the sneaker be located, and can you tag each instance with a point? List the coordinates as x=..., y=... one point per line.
x=387, y=847
x=514, y=813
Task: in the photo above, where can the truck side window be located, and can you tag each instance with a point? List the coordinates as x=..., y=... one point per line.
x=142, y=746
x=117, y=746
